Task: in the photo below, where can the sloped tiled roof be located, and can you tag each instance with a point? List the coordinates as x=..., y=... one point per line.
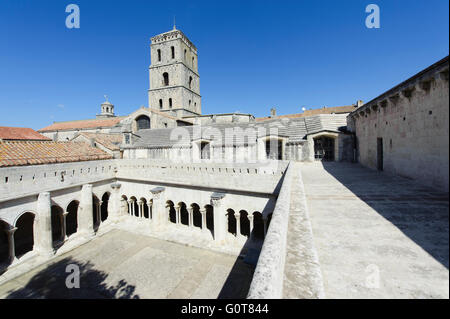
x=110, y=141
x=20, y=133
x=19, y=153
x=323, y=110
x=82, y=124
x=294, y=129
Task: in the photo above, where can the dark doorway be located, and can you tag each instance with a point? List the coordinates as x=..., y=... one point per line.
x=324, y=148
x=274, y=149
x=380, y=154
x=23, y=236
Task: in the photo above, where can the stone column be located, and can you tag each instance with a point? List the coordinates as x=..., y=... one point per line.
x=237, y=216
x=191, y=212
x=43, y=224
x=85, y=220
x=203, y=212
x=149, y=205
x=98, y=212
x=63, y=226
x=12, y=249
x=130, y=207
x=178, y=209
x=158, y=207
x=140, y=209
x=116, y=207
x=219, y=217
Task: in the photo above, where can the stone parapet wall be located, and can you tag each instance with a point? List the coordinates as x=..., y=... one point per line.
x=269, y=273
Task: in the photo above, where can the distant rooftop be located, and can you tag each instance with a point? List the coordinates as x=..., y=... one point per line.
x=323, y=110
x=18, y=153
x=82, y=124
x=20, y=133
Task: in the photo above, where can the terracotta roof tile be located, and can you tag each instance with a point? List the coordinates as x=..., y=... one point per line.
x=20, y=133
x=71, y=125
x=17, y=153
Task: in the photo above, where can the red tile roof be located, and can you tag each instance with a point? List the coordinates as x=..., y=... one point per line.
x=19, y=153
x=20, y=133
x=72, y=125
x=324, y=110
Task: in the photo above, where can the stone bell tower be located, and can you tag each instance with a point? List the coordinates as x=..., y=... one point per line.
x=174, y=78
x=107, y=109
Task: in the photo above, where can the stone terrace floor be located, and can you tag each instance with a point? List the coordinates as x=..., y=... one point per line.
x=377, y=236
x=120, y=264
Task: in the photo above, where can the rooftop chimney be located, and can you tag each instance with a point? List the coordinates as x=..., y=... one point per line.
x=273, y=112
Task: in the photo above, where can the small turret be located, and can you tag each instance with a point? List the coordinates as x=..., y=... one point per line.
x=107, y=109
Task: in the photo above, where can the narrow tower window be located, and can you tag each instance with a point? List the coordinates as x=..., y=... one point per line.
x=159, y=55
x=173, y=52
x=192, y=62
x=190, y=82
x=170, y=102
x=185, y=52
x=160, y=104
x=166, y=78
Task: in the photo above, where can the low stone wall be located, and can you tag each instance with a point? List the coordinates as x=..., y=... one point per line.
x=269, y=273
x=33, y=179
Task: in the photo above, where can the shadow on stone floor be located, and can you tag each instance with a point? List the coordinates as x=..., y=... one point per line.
x=421, y=213
x=50, y=283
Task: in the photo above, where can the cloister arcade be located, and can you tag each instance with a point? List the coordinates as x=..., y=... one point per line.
x=18, y=239
x=239, y=223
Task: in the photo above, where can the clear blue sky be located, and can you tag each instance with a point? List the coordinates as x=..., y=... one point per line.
x=253, y=55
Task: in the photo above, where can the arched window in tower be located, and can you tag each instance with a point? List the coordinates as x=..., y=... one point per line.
x=190, y=82
x=159, y=55
x=190, y=102
x=185, y=54
x=160, y=103
x=143, y=122
x=192, y=62
x=166, y=79
x=173, y=52
x=170, y=102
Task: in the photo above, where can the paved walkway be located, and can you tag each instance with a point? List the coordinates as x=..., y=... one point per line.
x=121, y=264
x=377, y=236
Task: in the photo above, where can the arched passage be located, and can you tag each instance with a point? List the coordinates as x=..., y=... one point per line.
x=57, y=224
x=196, y=215
x=95, y=212
x=24, y=235
x=245, y=223
x=210, y=218
x=4, y=244
x=231, y=221
x=184, y=214
x=72, y=218
x=134, y=205
x=104, y=207
x=144, y=207
x=324, y=148
x=171, y=212
x=124, y=205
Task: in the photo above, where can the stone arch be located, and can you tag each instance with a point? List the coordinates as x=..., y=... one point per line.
x=258, y=225
x=135, y=207
x=166, y=79
x=104, y=207
x=244, y=223
x=145, y=212
x=72, y=217
x=210, y=218
x=172, y=214
x=124, y=204
x=142, y=122
x=196, y=215
x=231, y=221
x=325, y=146
x=24, y=235
x=95, y=213
x=184, y=214
x=4, y=243
x=57, y=224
